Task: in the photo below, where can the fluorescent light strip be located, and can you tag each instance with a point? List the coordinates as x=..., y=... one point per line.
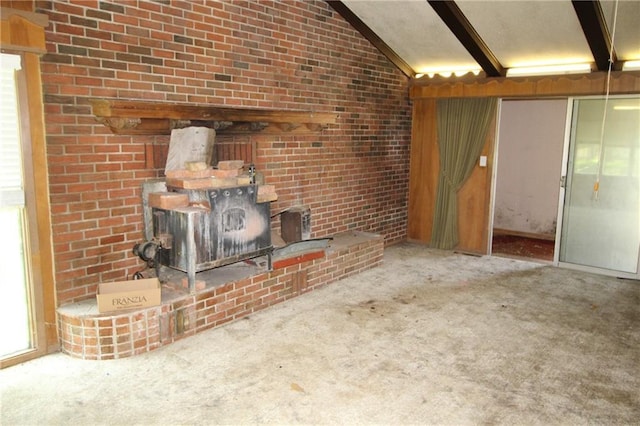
x=447, y=73
x=549, y=70
x=631, y=65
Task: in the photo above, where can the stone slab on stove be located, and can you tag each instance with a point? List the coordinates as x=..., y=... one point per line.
x=188, y=145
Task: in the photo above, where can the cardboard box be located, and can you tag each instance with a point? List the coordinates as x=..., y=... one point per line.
x=121, y=295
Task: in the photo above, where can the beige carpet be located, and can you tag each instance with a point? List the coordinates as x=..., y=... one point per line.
x=429, y=338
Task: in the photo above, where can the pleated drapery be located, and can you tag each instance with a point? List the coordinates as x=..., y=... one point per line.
x=462, y=129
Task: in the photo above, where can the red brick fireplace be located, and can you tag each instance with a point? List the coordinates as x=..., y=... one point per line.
x=275, y=56
x=87, y=334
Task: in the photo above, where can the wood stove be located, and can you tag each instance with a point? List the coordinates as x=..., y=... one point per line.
x=219, y=227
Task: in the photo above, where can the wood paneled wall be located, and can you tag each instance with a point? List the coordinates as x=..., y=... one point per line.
x=424, y=166
x=473, y=197
x=474, y=201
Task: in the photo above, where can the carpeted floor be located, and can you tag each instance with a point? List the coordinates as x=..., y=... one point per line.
x=431, y=337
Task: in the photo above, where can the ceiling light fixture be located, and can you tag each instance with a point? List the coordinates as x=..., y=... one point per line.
x=448, y=73
x=549, y=70
x=631, y=65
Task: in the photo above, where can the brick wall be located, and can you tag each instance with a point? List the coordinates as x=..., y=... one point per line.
x=274, y=55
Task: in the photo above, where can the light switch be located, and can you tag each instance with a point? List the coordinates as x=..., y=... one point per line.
x=483, y=161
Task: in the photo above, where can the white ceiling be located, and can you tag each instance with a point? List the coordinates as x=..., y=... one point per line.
x=627, y=35
x=517, y=32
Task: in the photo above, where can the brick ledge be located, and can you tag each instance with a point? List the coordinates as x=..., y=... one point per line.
x=86, y=334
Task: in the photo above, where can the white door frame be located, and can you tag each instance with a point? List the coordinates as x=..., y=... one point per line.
x=494, y=175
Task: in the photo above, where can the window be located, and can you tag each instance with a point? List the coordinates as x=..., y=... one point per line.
x=15, y=312
x=616, y=155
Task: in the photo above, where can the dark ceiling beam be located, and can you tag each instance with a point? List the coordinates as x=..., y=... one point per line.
x=453, y=17
x=373, y=38
x=595, y=30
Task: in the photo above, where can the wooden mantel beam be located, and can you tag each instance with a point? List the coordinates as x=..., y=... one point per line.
x=154, y=118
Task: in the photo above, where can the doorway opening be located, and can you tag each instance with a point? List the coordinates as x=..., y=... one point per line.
x=527, y=182
x=567, y=172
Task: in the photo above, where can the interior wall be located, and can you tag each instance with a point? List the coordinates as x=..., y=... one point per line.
x=266, y=54
x=530, y=144
x=424, y=167
x=474, y=201
x=473, y=198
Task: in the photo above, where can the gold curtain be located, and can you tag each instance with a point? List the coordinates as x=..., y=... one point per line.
x=462, y=129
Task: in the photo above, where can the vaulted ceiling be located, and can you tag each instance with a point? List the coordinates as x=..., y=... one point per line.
x=490, y=37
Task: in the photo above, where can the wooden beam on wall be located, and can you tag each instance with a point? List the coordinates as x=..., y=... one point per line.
x=23, y=31
x=621, y=82
x=157, y=118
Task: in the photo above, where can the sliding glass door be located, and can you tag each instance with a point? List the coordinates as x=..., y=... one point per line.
x=600, y=213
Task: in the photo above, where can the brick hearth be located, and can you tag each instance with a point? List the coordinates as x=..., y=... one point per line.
x=87, y=334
